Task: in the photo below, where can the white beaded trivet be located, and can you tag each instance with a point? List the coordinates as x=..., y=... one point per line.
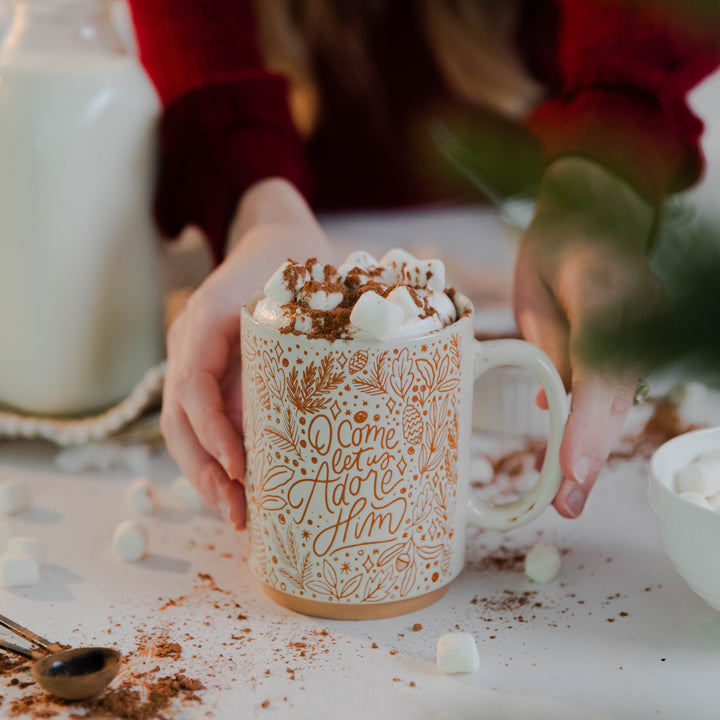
x=78, y=431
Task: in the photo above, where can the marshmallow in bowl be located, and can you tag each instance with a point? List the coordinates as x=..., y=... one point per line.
x=398, y=296
x=701, y=477
x=699, y=482
x=696, y=499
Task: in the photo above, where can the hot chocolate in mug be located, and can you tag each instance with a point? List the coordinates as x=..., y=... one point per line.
x=358, y=454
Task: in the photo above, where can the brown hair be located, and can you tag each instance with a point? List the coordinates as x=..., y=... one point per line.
x=471, y=41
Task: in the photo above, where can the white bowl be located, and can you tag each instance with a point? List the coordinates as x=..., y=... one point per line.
x=690, y=533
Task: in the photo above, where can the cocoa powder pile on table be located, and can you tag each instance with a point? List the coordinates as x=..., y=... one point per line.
x=140, y=695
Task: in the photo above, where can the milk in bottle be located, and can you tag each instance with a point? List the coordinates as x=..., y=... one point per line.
x=80, y=291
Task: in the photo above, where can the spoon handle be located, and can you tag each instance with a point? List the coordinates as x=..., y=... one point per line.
x=19, y=650
x=29, y=635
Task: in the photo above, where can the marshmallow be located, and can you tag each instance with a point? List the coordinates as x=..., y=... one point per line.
x=419, y=327
x=457, y=653
x=15, y=497
x=481, y=469
x=130, y=541
x=443, y=306
x=542, y=563
x=360, y=259
x=344, y=271
x=270, y=312
x=401, y=296
x=303, y=324
x=415, y=287
x=711, y=455
x=187, y=495
x=276, y=288
x=393, y=261
x=701, y=477
x=322, y=300
x=317, y=271
x=425, y=273
x=102, y=456
x=18, y=570
x=714, y=501
x=26, y=545
x=139, y=496
x=696, y=499
x=377, y=316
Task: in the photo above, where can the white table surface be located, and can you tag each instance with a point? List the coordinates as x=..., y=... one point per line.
x=617, y=635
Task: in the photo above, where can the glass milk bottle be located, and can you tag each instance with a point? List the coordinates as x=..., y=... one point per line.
x=80, y=288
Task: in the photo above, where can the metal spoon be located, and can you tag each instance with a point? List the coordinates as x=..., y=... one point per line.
x=71, y=674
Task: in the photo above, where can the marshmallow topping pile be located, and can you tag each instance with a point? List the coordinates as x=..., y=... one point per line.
x=396, y=297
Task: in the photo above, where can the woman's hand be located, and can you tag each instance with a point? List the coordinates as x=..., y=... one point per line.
x=201, y=413
x=581, y=267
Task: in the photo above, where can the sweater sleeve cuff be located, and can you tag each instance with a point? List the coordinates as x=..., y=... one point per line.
x=628, y=133
x=217, y=141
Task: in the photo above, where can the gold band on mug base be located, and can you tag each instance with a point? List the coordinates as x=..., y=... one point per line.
x=347, y=611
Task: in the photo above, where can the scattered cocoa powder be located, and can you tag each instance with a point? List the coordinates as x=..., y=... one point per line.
x=11, y=664
x=502, y=559
x=664, y=424
x=165, y=649
x=514, y=464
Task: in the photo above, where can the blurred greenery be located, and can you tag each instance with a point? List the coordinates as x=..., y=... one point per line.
x=498, y=158
x=685, y=337
x=501, y=164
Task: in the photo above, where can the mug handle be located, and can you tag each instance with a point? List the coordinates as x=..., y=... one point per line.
x=494, y=353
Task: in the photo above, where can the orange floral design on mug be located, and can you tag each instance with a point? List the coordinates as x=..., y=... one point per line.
x=352, y=465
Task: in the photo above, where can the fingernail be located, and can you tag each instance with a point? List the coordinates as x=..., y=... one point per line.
x=575, y=502
x=581, y=470
x=223, y=510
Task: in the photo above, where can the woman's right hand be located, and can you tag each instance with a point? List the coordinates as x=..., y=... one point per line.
x=201, y=414
x=582, y=271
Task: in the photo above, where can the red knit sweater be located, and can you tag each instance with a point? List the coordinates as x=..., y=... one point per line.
x=616, y=77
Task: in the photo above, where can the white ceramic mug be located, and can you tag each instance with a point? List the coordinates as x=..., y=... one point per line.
x=358, y=452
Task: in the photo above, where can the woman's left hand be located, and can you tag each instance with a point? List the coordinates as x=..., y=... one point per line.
x=582, y=265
